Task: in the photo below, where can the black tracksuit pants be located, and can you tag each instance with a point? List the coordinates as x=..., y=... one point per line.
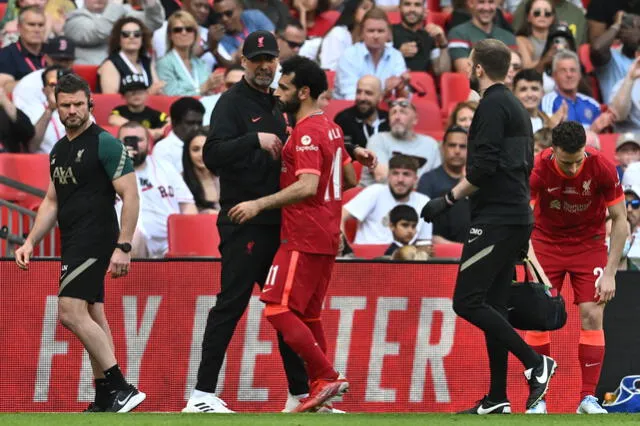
x=482, y=291
x=247, y=253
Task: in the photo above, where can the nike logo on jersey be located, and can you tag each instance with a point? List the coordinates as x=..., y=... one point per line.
x=592, y=365
x=264, y=290
x=555, y=188
x=470, y=240
x=256, y=119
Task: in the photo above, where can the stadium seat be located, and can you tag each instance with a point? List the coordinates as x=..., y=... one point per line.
x=33, y=170
x=324, y=22
x=438, y=18
x=163, y=103
x=429, y=117
x=425, y=87
x=335, y=106
x=584, y=52
x=436, y=134
x=394, y=17
x=8, y=168
x=358, y=169
x=454, y=88
x=113, y=130
x=447, y=251
x=433, y=5
x=331, y=78
x=3, y=9
x=103, y=105
x=89, y=73
x=608, y=146
x=369, y=251
x=193, y=235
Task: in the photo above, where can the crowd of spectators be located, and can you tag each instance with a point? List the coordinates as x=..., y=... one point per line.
x=569, y=62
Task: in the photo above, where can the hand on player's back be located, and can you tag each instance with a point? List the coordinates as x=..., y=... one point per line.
x=270, y=143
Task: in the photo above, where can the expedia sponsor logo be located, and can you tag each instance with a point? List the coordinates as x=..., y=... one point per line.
x=307, y=148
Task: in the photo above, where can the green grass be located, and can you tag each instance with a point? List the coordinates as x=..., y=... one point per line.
x=54, y=419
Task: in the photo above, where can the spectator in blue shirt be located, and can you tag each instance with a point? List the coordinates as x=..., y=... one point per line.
x=372, y=56
x=238, y=23
x=578, y=107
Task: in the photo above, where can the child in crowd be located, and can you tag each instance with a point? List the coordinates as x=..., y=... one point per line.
x=403, y=221
x=541, y=140
x=134, y=90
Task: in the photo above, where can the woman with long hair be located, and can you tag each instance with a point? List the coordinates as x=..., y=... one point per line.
x=533, y=34
x=345, y=32
x=462, y=114
x=129, y=53
x=204, y=185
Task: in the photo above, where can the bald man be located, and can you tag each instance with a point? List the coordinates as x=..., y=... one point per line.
x=364, y=119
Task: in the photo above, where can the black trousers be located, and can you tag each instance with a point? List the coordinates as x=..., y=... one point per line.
x=482, y=291
x=247, y=253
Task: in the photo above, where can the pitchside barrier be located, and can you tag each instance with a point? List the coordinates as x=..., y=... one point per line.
x=390, y=329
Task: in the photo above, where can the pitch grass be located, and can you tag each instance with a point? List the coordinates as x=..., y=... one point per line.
x=55, y=419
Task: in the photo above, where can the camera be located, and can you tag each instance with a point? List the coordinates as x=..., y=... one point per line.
x=131, y=141
x=628, y=19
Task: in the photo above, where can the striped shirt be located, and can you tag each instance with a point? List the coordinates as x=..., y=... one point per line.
x=462, y=38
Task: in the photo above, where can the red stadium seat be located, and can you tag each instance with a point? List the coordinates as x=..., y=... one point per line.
x=425, y=87
x=436, y=134
x=394, y=17
x=369, y=251
x=3, y=9
x=429, y=117
x=331, y=78
x=433, y=5
x=584, y=52
x=89, y=73
x=349, y=194
x=324, y=22
x=447, y=251
x=32, y=170
x=438, y=18
x=113, y=130
x=9, y=169
x=454, y=88
x=163, y=103
x=193, y=235
x=335, y=106
x=508, y=17
x=103, y=105
x=358, y=169
x=608, y=146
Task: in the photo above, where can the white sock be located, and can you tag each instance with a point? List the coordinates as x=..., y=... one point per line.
x=199, y=394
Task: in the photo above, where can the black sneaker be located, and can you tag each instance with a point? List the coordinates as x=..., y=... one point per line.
x=538, y=379
x=484, y=406
x=93, y=408
x=125, y=400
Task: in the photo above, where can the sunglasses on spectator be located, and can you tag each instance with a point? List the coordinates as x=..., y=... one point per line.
x=292, y=44
x=538, y=13
x=401, y=103
x=128, y=34
x=178, y=30
x=227, y=13
x=635, y=204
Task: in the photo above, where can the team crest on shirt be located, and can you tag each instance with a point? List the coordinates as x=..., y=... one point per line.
x=305, y=140
x=588, y=114
x=555, y=204
x=79, y=155
x=586, y=187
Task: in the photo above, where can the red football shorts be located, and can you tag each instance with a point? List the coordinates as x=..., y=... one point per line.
x=298, y=281
x=584, y=264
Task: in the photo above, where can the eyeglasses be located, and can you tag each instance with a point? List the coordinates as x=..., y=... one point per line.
x=538, y=13
x=227, y=13
x=635, y=204
x=178, y=30
x=128, y=34
x=292, y=44
x=401, y=103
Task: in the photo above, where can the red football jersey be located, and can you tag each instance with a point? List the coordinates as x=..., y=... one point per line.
x=316, y=145
x=572, y=210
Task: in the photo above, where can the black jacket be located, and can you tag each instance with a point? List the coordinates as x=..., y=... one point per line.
x=233, y=152
x=500, y=159
x=354, y=128
x=15, y=135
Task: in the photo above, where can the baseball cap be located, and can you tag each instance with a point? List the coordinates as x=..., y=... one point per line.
x=260, y=43
x=628, y=137
x=132, y=82
x=632, y=189
x=60, y=48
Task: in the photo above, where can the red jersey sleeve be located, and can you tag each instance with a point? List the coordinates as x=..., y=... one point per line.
x=307, y=155
x=610, y=183
x=535, y=181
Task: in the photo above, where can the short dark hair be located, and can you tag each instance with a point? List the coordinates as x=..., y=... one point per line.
x=494, y=56
x=55, y=67
x=403, y=212
x=72, y=83
x=182, y=106
x=453, y=129
x=401, y=161
x=289, y=22
x=307, y=73
x=570, y=136
x=527, y=75
x=375, y=13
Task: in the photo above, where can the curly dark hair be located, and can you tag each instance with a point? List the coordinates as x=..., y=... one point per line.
x=570, y=136
x=114, y=38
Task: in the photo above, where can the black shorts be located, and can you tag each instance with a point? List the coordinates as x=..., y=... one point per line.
x=84, y=278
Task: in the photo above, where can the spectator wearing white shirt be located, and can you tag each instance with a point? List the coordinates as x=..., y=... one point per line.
x=30, y=97
x=371, y=207
x=162, y=193
x=186, y=116
x=372, y=56
x=402, y=139
x=626, y=99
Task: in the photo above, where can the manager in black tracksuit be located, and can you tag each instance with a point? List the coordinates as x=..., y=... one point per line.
x=499, y=163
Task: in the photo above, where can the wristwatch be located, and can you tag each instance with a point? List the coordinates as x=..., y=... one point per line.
x=125, y=247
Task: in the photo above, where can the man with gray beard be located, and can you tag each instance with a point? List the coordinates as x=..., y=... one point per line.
x=402, y=139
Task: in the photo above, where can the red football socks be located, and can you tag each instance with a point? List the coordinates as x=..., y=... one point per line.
x=591, y=355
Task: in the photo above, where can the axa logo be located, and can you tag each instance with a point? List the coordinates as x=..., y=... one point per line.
x=476, y=231
x=62, y=175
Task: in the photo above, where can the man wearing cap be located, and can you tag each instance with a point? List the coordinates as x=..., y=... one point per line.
x=31, y=97
x=627, y=152
x=243, y=149
x=25, y=55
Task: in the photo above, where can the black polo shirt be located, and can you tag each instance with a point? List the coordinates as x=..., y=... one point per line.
x=354, y=128
x=422, y=60
x=17, y=61
x=605, y=10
